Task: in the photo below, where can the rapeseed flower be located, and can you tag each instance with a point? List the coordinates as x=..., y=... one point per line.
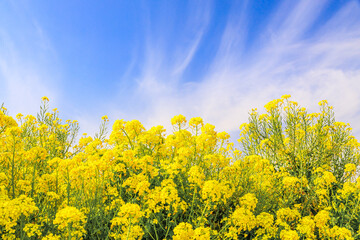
x=294, y=178
x=289, y=235
x=71, y=222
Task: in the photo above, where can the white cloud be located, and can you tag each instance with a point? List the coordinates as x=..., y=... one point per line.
x=323, y=66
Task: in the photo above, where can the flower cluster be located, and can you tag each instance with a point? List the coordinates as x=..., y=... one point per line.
x=294, y=176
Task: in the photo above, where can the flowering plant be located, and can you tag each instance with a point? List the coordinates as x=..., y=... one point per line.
x=294, y=176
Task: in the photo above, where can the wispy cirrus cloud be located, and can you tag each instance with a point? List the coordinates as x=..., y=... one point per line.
x=294, y=56
x=197, y=58
x=164, y=63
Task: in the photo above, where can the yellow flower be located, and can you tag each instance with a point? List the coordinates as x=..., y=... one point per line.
x=196, y=121
x=293, y=103
x=12, y=210
x=183, y=231
x=138, y=184
x=322, y=218
x=215, y=191
x=290, y=182
x=19, y=116
x=244, y=125
x=289, y=235
x=285, y=96
x=264, y=143
x=129, y=213
x=43, y=127
x=350, y=167
x=13, y=131
x=52, y=196
x=243, y=219
x=273, y=104
x=223, y=135
x=347, y=189
x=307, y=227
x=202, y=233
x=178, y=120
x=323, y=103
x=286, y=216
x=325, y=180
x=265, y=220
x=339, y=233
x=249, y=201
x=196, y=175
x=45, y=99
x=105, y=118
x=32, y=230
x=263, y=116
x=144, y=176
x=51, y=237
x=73, y=218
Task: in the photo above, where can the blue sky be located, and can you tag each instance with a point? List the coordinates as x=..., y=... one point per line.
x=151, y=60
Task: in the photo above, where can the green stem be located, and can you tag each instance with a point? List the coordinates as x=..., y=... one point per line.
x=33, y=181
x=132, y=146
x=13, y=171
x=127, y=235
x=157, y=237
x=192, y=205
x=68, y=186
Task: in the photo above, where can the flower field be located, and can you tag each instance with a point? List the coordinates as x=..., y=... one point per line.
x=293, y=175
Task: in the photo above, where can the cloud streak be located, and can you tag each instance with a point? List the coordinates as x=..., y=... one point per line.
x=298, y=49
x=324, y=65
